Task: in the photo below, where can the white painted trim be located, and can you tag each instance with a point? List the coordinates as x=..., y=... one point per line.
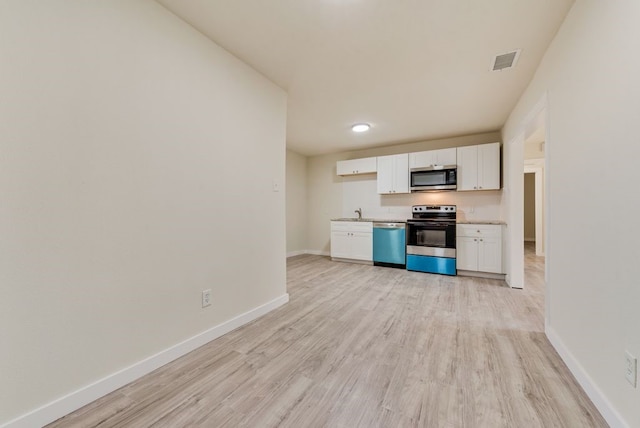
x=296, y=253
x=514, y=192
x=318, y=253
x=83, y=396
x=300, y=252
x=477, y=274
x=609, y=413
x=534, y=163
x=540, y=212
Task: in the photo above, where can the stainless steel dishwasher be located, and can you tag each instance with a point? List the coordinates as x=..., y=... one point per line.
x=389, y=244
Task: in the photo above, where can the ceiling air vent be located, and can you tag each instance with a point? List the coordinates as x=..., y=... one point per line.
x=505, y=60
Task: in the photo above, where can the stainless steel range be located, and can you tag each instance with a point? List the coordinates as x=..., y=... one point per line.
x=431, y=239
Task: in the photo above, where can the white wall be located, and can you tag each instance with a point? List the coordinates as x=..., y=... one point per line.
x=133, y=151
x=296, y=203
x=331, y=196
x=590, y=75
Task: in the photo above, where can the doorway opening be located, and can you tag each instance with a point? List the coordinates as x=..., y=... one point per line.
x=534, y=210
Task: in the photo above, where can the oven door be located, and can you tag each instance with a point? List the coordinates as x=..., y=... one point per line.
x=431, y=238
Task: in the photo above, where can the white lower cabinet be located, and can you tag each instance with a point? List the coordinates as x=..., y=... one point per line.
x=352, y=240
x=479, y=247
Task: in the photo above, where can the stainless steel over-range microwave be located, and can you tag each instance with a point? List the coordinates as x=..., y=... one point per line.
x=433, y=179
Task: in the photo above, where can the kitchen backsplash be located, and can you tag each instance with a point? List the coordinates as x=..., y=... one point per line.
x=361, y=192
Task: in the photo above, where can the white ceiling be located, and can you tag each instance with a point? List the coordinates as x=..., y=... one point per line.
x=414, y=69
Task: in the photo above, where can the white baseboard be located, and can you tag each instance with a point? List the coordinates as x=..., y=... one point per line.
x=487, y=275
x=608, y=412
x=296, y=253
x=318, y=253
x=313, y=252
x=83, y=396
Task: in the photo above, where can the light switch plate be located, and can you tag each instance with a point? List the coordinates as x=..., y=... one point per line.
x=206, y=298
x=631, y=368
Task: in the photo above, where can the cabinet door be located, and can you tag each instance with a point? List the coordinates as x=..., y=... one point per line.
x=356, y=166
x=489, y=166
x=445, y=157
x=467, y=253
x=467, y=161
x=490, y=255
x=421, y=159
x=401, y=173
x=340, y=245
x=385, y=174
x=361, y=246
x=345, y=167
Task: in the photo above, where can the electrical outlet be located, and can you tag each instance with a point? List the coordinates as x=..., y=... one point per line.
x=631, y=368
x=206, y=298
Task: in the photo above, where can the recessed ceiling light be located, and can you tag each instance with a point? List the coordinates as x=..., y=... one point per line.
x=360, y=127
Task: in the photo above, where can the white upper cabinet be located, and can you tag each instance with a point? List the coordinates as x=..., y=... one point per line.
x=356, y=166
x=432, y=158
x=393, y=174
x=489, y=166
x=479, y=167
x=467, y=168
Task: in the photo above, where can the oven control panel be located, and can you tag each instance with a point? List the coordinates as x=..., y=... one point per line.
x=433, y=209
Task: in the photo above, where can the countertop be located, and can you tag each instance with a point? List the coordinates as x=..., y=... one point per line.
x=380, y=220
x=480, y=222
x=374, y=220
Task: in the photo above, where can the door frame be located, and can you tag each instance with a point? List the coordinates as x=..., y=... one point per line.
x=538, y=114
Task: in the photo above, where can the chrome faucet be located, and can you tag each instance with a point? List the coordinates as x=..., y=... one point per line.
x=359, y=212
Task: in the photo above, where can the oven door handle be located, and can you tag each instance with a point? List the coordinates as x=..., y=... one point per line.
x=424, y=223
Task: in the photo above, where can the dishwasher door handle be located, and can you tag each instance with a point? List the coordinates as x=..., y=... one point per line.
x=389, y=225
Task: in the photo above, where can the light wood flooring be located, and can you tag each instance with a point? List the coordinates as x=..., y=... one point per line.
x=364, y=346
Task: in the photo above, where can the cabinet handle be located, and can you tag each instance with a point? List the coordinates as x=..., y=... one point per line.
x=475, y=187
x=475, y=239
x=478, y=231
x=481, y=240
x=479, y=187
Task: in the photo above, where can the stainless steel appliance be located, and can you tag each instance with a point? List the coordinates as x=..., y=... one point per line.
x=431, y=239
x=433, y=179
x=389, y=244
